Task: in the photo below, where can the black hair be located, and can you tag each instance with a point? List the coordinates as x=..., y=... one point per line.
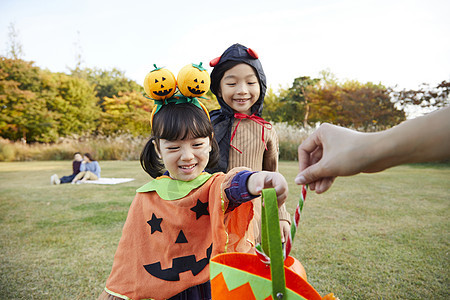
x=89, y=156
x=177, y=122
x=219, y=71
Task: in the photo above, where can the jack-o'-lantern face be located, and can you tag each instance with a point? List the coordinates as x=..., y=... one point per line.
x=189, y=261
x=193, y=80
x=160, y=84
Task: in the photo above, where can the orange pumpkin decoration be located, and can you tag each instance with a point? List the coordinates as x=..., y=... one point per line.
x=193, y=80
x=160, y=84
x=243, y=276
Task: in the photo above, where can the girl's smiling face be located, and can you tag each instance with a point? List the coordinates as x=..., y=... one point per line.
x=185, y=159
x=239, y=88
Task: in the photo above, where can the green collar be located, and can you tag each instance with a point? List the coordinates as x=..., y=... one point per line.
x=172, y=189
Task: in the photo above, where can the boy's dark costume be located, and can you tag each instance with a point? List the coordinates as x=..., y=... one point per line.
x=254, y=141
x=223, y=118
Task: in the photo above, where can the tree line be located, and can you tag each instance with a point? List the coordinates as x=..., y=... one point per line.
x=363, y=106
x=37, y=105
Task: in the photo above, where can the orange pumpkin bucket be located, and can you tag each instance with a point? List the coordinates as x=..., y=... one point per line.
x=244, y=276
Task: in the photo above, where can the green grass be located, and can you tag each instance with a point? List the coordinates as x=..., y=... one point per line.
x=378, y=236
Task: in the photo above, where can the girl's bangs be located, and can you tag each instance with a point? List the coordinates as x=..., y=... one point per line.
x=182, y=123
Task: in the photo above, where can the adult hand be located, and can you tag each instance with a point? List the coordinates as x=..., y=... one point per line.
x=336, y=151
x=329, y=152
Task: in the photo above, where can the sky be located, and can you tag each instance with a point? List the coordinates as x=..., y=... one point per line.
x=396, y=43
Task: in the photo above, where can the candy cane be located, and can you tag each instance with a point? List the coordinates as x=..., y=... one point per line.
x=262, y=255
x=288, y=245
x=294, y=226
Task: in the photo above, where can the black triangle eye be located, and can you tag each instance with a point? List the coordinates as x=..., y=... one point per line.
x=163, y=78
x=203, y=81
x=156, y=81
x=195, y=80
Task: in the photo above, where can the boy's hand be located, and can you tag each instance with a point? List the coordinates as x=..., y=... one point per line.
x=262, y=180
x=285, y=228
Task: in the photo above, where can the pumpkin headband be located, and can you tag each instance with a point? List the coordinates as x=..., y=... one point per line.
x=177, y=100
x=192, y=82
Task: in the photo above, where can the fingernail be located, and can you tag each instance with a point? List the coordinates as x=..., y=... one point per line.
x=300, y=180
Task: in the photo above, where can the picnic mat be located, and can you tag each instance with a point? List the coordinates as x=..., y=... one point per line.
x=104, y=180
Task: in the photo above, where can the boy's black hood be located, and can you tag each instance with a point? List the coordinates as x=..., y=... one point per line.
x=222, y=119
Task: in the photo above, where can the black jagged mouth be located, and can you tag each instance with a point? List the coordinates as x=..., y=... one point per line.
x=162, y=93
x=179, y=265
x=195, y=91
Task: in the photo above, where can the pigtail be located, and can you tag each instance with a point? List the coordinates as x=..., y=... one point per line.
x=214, y=154
x=150, y=161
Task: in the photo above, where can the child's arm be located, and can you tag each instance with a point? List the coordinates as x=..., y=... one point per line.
x=247, y=185
x=261, y=180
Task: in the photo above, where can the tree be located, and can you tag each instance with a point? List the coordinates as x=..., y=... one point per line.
x=363, y=106
x=322, y=101
x=295, y=101
x=366, y=106
x=127, y=112
x=424, y=97
x=23, y=114
x=272, y=105
x=76, y=105
x=39, y=106
x=14, y=46
x=107, y=83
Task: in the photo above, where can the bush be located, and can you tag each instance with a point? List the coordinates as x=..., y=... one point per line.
x=124, y=146
x=119, y=147
x=290, y=137
x=7, y=150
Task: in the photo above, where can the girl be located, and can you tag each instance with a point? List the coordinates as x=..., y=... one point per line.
x=185, y=215
x=244, y=138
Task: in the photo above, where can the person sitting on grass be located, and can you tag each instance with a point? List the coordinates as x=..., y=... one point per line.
x=89, y=170
x=76, y=163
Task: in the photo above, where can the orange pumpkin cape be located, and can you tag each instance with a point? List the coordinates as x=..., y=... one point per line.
x=172, y=230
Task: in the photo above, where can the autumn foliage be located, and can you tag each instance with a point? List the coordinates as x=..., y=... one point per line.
x=37, y=105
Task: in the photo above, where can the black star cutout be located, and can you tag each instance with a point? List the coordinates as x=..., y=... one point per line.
x=200, y=209
x=155, y=223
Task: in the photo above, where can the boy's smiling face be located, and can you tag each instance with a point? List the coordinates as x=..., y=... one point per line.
x=240, y=88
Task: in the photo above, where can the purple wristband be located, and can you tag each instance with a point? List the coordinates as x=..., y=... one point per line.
x=238, y=193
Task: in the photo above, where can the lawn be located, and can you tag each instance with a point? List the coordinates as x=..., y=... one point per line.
x=377, y=236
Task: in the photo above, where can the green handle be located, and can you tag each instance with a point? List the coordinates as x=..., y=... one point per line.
x=271, y=241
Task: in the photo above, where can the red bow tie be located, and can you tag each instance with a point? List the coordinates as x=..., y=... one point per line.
x=255, y=118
